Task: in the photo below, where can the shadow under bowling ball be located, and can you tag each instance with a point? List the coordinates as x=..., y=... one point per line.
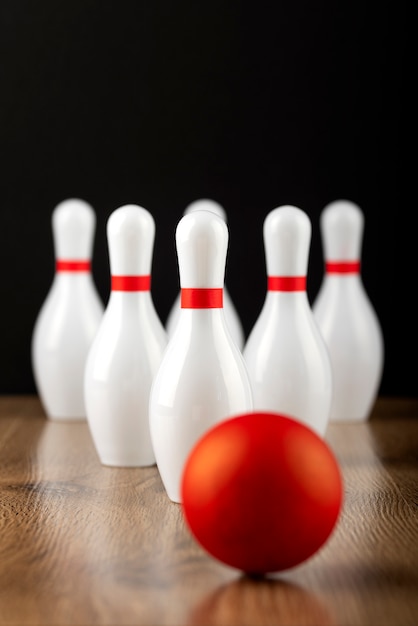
x=249, y=601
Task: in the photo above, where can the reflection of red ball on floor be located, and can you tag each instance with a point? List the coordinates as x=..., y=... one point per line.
x=261, y=492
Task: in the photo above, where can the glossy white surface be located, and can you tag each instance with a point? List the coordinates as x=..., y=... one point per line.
x=231, y=315
x=286, y=356
x=73, y=229
x=69, y=317
x=206, y=204
x=342, y=228
x=347, y=319
x=127, y=350
x=202, y=378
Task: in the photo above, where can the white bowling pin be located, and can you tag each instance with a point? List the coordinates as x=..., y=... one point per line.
x=232, y=318
x=202, y=378
x=286, y=356
x=346, y=316
x=128, y=346
x=70, y=315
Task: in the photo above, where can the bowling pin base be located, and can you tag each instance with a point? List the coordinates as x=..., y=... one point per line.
x=343, y=419
x=64, y=405
x=174, y=498
x=123, y=455
x=125, y=463
x=356, y=409
x=67, y=416
x=66, y=419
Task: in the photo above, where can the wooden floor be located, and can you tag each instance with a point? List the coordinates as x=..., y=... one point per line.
x=84, y=544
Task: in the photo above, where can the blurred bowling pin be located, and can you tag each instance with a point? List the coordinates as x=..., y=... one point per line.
x=346, y=317
x=68, y=319
x=128, y=346
x=286, y=356
x=202, y=378
x=232, y=318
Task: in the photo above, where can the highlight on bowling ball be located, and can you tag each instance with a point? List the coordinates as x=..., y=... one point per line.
x=261, y=492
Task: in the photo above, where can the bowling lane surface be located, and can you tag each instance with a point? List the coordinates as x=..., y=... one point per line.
x=82, y=543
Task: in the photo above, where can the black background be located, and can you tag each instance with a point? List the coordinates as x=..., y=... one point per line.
x=160, y=103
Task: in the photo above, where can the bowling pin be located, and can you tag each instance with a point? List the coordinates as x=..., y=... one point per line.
x=231, y=314
x=346, y=317
x=202, y=378
x=286, y=356
x=70, y=315
x=128, y=346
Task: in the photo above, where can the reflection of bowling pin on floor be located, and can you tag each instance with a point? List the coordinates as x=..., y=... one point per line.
x=202, y=378
x=69, y=318
x=346, y=317
x=286, y=357
x=232, y=318
x=128, y=346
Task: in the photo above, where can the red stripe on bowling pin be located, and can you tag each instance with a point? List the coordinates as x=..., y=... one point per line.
x=286, y=283
x=201, y=298
x=342, y=267
x=131, y=283
x=64, y=265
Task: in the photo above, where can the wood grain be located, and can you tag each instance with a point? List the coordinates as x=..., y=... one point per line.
x=81, y=543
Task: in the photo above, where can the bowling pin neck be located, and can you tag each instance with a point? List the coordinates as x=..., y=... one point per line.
x=286, y=283
x=286, y=289
x=201, y=312
x=72, y=266
x=343, y=267
x=73, y=272
x=201, y=326
x=343, y=283
x=286, y=298
x=339, y=287
x=130, y=300
x=130, y=288
x=287, y=235
x=342, y=272
x=73, y=284
x=201, y=298
x=131, y=283
x=286, y=286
